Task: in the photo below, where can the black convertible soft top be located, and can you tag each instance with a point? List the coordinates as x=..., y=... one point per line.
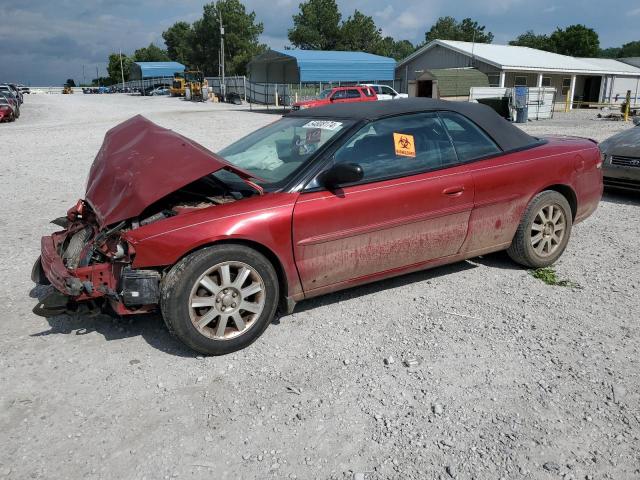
x=506, y=135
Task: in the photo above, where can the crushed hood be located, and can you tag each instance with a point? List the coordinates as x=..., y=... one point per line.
x=139, y=163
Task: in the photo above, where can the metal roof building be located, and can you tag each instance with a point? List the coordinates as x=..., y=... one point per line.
x=143, y=70
x=312, y=66
x=588, y=79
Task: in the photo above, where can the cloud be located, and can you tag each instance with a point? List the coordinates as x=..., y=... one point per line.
x=45, y=42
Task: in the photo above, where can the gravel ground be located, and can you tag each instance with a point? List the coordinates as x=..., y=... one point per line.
x=512, y=378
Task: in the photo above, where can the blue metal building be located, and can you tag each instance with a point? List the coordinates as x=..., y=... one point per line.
x=313, y=66
x=144, y=70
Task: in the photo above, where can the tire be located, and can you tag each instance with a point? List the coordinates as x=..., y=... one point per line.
x=220, y=280
x=540, y=241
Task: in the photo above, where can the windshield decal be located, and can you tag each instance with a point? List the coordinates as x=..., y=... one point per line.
x=405, y=145
x=323, y=124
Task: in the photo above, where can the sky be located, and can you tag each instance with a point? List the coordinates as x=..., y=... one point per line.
x=44, y=42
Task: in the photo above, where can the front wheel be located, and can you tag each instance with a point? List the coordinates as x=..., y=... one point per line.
x=544, y=231
x=220, y=299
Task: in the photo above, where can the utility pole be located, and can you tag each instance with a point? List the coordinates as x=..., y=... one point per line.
x=97, y=76
x=121, y=71
x=84, y=78
x=223, y=87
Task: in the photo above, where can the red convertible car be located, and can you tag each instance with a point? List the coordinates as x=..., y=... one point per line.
x=318, y=201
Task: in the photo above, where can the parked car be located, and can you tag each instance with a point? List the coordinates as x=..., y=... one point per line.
x=24, y=90
x=621, y=159
x=7, y=113
x=8, y=88
x=384, y=92
x=13, y=101
x=339, y=95
x=320, y=200
x=17, y=91
x=159, y=91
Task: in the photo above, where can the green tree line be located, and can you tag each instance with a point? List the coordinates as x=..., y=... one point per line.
x=319, y=25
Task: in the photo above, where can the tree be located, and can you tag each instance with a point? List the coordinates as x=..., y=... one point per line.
x=360, y=33
x=398, y=50
x=317, y=26
x=612, y=52
x=448, y=28
x=532, y=40
x=178, y=39
x=152, y=53
x=631, y=49
x=198, y=45
x=70, y=82
x=113, y=67
x=576, y=40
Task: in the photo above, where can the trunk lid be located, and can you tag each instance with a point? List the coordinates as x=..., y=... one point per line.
x=140, y=162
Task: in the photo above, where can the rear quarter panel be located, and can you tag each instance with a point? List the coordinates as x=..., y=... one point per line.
x=505, y=185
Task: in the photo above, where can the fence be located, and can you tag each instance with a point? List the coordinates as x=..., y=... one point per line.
x=540, y=100
x=282, y=95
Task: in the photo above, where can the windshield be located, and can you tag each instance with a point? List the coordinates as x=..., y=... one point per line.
x=325, y=93
x=276, y=152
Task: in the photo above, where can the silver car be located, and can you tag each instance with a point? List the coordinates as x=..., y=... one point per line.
x=621, y=162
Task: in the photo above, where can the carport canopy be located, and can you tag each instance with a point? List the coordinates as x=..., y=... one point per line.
x=142, y=70
x=309, y=66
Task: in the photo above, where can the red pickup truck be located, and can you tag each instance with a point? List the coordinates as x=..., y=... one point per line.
x=360, y=93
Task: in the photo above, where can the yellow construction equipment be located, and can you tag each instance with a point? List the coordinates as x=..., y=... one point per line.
x=181, y=80
x=198, y=86
x=67, y=90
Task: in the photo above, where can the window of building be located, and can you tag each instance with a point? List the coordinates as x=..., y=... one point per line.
x=470, y=141
x=566, y=86
x=546, y=81
x=520, y=81
x=494, y=79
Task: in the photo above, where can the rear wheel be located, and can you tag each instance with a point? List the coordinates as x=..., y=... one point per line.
x=220, y=299
x=544, y=231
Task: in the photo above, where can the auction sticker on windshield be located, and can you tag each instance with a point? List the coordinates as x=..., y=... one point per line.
x=323, y=124
x=405, y=146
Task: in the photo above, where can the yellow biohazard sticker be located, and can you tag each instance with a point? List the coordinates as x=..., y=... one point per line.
x=405, y=146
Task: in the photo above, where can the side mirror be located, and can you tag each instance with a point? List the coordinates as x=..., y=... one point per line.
x=342, y=173
x=331, y=99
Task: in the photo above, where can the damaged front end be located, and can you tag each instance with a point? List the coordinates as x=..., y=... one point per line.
x=85, y=268
x=142, y=174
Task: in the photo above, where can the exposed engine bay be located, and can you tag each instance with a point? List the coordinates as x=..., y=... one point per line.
x=101, y=259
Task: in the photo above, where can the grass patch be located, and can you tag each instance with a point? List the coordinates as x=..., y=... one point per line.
x=549, y=276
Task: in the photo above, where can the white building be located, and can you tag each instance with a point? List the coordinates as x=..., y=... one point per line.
x=595, y=80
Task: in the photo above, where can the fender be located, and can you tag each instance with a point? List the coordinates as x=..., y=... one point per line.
x=264, y=220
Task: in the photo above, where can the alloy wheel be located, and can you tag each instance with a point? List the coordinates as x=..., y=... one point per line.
x=226, y=300
x=548, y=230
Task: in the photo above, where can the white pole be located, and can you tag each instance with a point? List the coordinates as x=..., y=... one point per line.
x=121, y=70
x=502, y=78
x=572, y=91
x=539, y=80
x=222, y=85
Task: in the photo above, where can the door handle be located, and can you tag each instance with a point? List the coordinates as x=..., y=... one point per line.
x=453, y=191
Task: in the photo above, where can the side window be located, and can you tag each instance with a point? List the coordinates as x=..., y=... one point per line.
x=339, y=95
x=353, y=93
x=368, y=91
x=469, y=140
x=399, y=146
x=388, y=91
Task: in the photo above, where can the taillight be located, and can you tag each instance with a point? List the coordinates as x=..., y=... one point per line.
x=603, y=158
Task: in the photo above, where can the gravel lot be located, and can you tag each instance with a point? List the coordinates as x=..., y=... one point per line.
x=514, y=378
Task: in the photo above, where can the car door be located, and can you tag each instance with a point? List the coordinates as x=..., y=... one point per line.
x=501, y=190
x=411, y=207
x=339, y=96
